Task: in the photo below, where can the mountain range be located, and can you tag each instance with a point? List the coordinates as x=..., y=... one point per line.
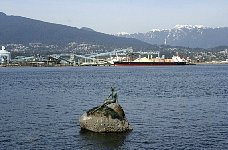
x=193, y=36
x=21, y=30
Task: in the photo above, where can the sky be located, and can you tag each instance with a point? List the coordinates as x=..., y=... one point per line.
x=113, y=16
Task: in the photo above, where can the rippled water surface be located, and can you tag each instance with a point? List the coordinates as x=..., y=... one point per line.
x=179, y=107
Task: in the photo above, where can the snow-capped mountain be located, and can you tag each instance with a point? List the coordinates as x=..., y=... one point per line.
x=184, y=35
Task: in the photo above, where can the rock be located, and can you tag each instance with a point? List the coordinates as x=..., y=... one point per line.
x=105, y=118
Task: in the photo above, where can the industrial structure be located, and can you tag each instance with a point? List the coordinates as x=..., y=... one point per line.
x=113, y=58
x=5, y=56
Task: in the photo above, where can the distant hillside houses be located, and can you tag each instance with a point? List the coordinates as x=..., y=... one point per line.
x=21, y=30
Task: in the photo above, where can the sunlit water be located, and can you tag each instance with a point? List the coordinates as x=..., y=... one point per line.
x=179, y=107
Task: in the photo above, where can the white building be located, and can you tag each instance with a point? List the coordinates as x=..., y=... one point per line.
x=5, y=56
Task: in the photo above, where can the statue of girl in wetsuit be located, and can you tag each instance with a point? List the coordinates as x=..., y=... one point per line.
x=112, y=98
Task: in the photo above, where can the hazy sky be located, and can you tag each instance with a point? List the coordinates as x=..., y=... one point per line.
x=112, y=16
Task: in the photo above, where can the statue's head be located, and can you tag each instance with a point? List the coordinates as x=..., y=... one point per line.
x=112, y=89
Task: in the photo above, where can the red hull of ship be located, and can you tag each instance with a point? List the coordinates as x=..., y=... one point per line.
x=149, y=63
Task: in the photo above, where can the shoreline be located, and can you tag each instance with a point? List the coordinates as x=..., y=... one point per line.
x=59, y=65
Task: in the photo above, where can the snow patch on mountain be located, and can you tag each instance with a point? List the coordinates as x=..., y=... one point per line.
x=178, y=26
x=158, y=30
x=122, y=33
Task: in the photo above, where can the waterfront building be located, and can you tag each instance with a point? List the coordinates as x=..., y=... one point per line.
x=5, y=56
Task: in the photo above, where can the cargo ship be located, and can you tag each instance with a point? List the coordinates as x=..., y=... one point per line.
x=144, y=61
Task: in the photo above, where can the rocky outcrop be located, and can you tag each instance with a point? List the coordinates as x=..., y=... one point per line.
x=105, y=118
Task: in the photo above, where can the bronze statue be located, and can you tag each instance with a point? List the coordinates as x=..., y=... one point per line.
x=112, y=98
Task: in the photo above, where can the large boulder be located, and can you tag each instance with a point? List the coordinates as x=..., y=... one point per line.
x=105, y=118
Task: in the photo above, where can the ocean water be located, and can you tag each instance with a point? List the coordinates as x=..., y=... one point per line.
x=178, y=107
